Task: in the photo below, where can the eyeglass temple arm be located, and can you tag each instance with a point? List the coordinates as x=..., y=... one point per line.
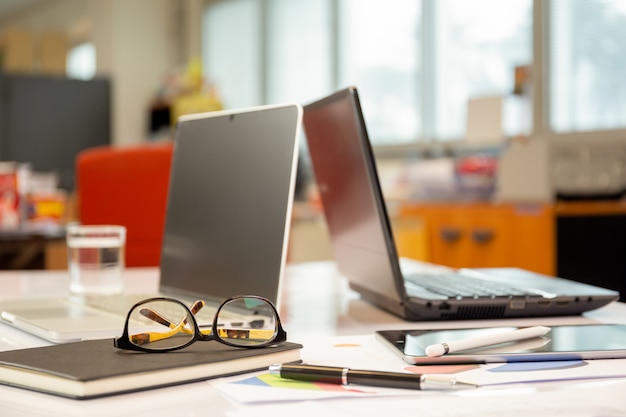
x=155, y=316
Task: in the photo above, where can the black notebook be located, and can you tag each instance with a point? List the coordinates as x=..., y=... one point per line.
x=96, y=368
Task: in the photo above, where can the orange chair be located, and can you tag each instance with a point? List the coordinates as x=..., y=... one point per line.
x=127, y=186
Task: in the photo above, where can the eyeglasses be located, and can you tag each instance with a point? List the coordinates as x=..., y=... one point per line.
x=165, y=324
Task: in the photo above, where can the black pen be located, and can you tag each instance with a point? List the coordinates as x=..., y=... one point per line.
x=347, y=376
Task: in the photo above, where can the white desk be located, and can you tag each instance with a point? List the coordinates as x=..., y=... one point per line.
x=318, y=310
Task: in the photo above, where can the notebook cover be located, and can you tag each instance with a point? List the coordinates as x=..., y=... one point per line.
x=89, y=363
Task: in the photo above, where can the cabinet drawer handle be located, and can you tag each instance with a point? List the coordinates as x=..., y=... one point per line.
x=482, y=235
x=450, y=234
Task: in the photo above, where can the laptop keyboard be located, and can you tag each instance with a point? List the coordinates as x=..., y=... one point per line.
x=455, y=285
x=116, y=304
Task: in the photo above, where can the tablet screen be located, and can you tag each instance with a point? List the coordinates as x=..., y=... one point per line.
x=561, y=343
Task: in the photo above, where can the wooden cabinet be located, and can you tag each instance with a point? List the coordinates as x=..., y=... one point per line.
x=478, y=235
x=582, y=241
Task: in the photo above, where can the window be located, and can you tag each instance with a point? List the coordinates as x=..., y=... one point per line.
x=299, y=52
x=475, y=48
x=380, y=54
x=587, y=60
x=233, y=61
x=418, y=62
x=81, y=61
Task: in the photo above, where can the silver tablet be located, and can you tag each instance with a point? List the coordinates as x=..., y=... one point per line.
x=595, y=341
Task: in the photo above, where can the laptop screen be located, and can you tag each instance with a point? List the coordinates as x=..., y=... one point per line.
x=345, y=171
x=229, y=202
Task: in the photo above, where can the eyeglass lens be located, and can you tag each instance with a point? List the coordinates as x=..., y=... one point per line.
x=246, y=321
x=165, y=324
x=160, y=324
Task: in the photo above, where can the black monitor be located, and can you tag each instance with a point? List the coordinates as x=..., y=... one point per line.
x=46, y=121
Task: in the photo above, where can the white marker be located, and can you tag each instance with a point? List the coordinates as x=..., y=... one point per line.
x=444, y=348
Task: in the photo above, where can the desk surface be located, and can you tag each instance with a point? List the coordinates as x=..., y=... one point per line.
x=320, y=311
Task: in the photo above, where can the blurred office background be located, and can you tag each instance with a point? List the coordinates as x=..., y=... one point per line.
x=417, y=63
x=517, y=103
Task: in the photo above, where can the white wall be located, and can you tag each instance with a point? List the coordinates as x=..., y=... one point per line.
x=137, y=42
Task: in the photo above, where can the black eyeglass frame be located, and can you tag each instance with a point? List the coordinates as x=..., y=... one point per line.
x=123, y=342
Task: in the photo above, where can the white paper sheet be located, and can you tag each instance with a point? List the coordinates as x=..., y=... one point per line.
x=365, y=352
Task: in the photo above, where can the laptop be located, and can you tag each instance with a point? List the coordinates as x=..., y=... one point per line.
x=226, y=228
x=361, y=236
